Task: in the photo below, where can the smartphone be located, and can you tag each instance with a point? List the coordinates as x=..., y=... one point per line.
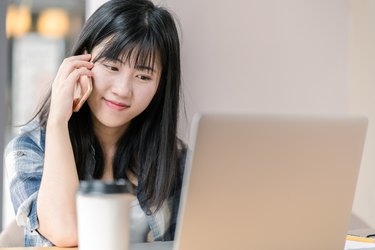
x=82, y=92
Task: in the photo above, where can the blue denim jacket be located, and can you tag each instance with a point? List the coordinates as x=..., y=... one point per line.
x=24, y=159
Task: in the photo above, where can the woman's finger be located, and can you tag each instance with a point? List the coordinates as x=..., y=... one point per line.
x=74, y=62
x=84, y=57
x=77, y=73
x=68, y=68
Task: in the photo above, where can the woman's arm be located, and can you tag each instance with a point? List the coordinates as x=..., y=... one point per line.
x=56, y=205
x=56, y=198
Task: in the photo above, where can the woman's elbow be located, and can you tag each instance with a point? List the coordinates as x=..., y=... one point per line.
x=63, y=238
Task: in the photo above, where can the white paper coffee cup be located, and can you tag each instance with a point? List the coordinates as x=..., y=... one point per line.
x=103, y=215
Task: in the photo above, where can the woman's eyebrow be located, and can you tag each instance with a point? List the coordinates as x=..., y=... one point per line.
x=144, y=68
x=104, y=59
x=137, y=66
x=118, y=60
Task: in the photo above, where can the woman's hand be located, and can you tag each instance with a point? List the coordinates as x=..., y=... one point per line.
x=63, y=87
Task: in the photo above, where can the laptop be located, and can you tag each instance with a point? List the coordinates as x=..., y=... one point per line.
x=269, y=182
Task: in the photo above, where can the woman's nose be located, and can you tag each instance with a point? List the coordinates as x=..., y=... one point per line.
x=122, y=86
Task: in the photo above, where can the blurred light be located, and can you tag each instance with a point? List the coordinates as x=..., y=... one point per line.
x=18, y=20
x=53, y=22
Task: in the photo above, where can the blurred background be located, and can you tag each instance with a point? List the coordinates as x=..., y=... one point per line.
x=290, y=56
x=39, y=35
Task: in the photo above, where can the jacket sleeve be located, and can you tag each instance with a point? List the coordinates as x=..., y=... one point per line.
x=24, y=159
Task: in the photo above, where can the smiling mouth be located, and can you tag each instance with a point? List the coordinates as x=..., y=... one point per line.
x=116, y=105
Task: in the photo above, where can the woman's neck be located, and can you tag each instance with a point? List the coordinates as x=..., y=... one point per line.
x=108, y=138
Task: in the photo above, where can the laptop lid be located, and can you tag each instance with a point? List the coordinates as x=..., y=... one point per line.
x=269, y=182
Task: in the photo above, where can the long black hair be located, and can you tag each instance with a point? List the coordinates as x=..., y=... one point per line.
x=149, y=147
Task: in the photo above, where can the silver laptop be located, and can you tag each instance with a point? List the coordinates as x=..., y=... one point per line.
x=269, y=182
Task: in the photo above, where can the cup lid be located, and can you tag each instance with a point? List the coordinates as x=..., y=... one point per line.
x=105, y=187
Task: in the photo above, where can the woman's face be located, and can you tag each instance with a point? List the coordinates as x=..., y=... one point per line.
x=121, y=90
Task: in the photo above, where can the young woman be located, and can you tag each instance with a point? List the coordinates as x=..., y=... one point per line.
x=128, y=51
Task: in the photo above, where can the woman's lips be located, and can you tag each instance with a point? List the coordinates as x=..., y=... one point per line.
x=116, y=105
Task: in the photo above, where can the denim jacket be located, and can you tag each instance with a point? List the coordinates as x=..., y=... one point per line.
x=24, y=159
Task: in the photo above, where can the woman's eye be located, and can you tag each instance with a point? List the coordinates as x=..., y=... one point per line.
x=144, y=78
x=110, y=67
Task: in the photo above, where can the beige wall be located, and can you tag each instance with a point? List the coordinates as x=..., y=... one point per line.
x=264, y=56
x=362, y=97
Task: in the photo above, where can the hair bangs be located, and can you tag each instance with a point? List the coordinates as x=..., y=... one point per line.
x=141, y=51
